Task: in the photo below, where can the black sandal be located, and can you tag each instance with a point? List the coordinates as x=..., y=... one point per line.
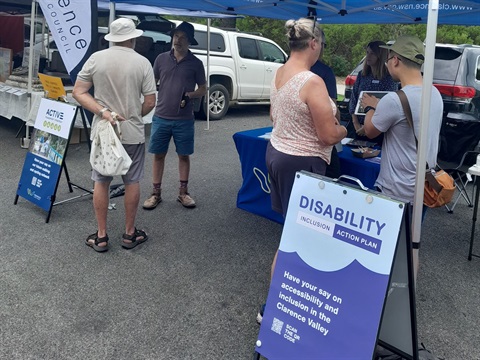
x=98, y=240
x=134, y=239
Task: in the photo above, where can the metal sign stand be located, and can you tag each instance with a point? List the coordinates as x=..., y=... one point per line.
x=71, y=185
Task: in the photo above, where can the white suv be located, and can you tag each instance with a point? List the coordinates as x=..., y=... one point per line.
x=241, y=68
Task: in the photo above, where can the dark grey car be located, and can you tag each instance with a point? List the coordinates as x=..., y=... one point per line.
x=456, y=75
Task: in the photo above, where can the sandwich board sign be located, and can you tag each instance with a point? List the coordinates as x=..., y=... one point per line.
x=46, y=154
x=332, y=275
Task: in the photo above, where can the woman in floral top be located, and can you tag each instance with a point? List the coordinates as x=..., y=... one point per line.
x=373, y=77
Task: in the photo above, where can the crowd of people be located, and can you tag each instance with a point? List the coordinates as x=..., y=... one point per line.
x=303, y=111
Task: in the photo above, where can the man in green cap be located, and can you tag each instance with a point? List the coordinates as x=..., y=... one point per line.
x=399, y=150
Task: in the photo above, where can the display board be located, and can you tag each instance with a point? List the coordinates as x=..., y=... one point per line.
x=36, y=60
x=332, y=274
x=5, y=63
x=48, y=146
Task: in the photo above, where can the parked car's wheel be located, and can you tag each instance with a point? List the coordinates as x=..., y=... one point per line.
x=218, y=102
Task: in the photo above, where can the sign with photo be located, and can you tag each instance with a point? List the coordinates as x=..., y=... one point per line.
x=48, y=145
x=332, y=272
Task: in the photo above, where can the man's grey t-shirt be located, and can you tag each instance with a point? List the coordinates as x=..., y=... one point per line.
x=399, y=151
x=121, y=77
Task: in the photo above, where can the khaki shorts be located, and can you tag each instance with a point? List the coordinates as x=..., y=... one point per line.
x=136, y=171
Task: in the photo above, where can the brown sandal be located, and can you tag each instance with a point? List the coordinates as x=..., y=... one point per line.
x=98, y=240
x=134, y=238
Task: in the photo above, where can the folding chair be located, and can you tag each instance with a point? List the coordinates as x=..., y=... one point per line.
x=460, y=174
x=459, y=139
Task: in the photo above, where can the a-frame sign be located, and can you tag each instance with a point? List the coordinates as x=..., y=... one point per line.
x=343, y=280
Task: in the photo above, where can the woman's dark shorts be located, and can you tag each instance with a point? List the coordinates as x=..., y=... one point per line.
x=281, y=170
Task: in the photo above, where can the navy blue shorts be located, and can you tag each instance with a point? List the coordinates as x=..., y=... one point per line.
x=182, y=131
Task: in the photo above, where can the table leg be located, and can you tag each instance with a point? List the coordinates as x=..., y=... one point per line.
x=474, y=219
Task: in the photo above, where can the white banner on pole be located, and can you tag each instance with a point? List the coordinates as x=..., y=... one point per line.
x=70, y=24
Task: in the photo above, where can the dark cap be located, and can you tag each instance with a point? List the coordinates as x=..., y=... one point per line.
x=410, y=47
x=188, y=29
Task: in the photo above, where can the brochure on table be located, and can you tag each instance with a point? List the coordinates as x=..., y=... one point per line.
x=48, y=145
x=332, y=272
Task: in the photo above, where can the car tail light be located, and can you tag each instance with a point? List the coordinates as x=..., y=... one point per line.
x=350, y=80
x=463, y=92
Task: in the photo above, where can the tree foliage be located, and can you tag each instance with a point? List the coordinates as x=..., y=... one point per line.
x=346, y=43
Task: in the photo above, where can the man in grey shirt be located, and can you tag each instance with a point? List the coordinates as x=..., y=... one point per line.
x=399, y=150
x=120, y=77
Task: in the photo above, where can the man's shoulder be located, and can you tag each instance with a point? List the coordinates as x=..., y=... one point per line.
x=194, y=57
x=196, y=64
x=412, y=91
x=162, y=57
x=321, y=68
x=390, y=97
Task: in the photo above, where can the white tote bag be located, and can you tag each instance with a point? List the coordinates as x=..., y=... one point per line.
x=108, y=156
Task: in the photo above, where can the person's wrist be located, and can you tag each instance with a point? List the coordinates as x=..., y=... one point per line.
x=368, y=108
x=101, y=112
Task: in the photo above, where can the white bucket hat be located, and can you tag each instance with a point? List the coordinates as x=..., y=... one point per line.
x=121, y=30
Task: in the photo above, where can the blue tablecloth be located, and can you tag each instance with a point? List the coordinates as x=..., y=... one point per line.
x=254, y=195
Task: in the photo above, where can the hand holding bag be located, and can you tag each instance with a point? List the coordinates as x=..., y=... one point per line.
x=108, y=156
x=439, y=186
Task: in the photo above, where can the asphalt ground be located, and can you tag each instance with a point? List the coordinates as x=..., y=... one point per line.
x=193, y=289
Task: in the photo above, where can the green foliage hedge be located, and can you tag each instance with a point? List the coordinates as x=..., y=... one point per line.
x=346, y=43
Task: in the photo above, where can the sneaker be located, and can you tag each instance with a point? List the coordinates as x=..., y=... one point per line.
x=260, y=314
x=186, y=200
x=152, y=201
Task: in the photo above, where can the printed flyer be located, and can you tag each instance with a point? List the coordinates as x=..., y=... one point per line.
x=332, y=272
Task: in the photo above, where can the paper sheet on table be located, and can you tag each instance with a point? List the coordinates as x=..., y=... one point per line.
x=266, y=135
x=346, y=140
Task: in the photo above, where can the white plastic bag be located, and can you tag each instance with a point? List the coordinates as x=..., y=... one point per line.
x=108, y=156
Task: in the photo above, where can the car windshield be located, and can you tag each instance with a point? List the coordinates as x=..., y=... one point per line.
x=157, y=36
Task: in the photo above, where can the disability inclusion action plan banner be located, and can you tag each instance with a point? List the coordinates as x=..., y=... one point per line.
x=331, y=277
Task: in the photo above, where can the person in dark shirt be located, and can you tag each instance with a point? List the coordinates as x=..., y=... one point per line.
x=373, y=77
x=326, y=73
x=177, y=73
